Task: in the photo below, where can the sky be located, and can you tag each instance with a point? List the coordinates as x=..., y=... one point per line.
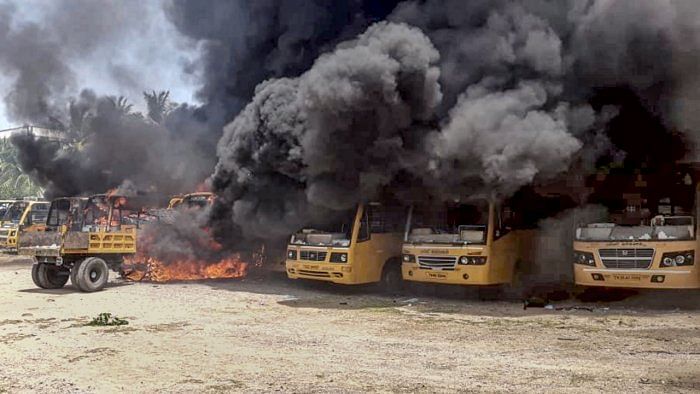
x=144, y=51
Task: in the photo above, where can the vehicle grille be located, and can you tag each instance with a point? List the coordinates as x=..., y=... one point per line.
x=626, y=258
x=316, y=274
x=312, y=255
x=446, y=263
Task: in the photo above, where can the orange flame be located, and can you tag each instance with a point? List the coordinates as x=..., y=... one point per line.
x=155, y=270
x=142, y=267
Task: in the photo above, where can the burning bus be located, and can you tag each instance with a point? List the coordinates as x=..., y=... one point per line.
x=192, y=200
x=364, y=246
x=481, y=242
x=650, y=237
x=19, y=216
x=83, y=239
x=477, y=242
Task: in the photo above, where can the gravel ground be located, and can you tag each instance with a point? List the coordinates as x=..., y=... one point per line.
x=272, y=334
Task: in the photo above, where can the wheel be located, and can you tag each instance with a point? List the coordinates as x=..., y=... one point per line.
x=35, y=276
x=90, y=274
x=392, y=281
x=73, y=275
x=49, y=276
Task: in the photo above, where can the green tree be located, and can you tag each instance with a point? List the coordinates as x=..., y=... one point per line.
x=13, y=182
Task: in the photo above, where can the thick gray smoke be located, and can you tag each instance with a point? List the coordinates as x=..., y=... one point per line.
x=325, y=104
x=330, y=138
x=108, y=145
x=507, y=101
x=552, y=245
x=43, y=52
x=247, y=42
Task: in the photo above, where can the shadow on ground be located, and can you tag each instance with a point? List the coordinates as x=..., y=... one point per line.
x=70, y=289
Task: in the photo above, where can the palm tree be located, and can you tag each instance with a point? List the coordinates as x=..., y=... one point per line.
x=121, y=104
x=14, y=182
x=158, y=104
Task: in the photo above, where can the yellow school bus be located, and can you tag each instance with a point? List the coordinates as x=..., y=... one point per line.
x=363, y=246
x=19, y=216
x=472, y=243
x=642, y=247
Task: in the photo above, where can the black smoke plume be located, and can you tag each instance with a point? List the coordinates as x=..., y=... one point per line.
x=319, y=105
x=509, y=97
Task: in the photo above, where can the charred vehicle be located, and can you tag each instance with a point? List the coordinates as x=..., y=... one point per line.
x=83, y=239
x=192, y=200
x=20, y=216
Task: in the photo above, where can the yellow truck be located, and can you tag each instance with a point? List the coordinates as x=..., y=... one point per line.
x=476, y=243
x=364, y=246
x=83, y=238
x=18, y=216
x=638, y=250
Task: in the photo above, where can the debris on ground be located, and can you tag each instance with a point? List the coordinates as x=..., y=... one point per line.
x=106, y=319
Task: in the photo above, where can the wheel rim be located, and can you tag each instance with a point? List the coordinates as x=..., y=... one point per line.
x=95, y=275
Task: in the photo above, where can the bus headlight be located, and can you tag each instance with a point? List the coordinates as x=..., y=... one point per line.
x=408, y=258
x=678, y=259
x=472, y=260
x=339, y=258
x=291, y=255
x=584, y=258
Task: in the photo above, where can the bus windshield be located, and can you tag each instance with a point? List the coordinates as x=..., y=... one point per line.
x=448, y=224
x=14, y=213
x=663, y=228
x=4, y=206
x=334, y=233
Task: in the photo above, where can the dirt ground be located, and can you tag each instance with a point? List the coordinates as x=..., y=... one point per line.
x=272, y=334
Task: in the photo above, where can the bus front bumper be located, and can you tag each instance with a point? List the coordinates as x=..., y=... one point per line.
x=688, y=278
x=328, y=272
x=462, y=275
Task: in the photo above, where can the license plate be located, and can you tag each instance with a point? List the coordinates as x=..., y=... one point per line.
x=436, y=275
x=631, y=278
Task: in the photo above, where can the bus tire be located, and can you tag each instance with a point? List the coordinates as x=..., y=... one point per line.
x=49, y=276
x=392, y=281
x=90, y=274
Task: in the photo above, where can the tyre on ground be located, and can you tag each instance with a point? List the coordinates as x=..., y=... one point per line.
x=392, y=280
x=90, y=274
x=49, y=276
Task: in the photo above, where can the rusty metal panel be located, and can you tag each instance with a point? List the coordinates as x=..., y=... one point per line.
x=76, y=240
x=39, y=243
x=39, y=238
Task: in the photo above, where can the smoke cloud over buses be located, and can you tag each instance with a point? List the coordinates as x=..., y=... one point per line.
x=305, y=108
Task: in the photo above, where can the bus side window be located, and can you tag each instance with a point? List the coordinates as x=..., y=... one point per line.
x=384, y=219
x=364, y=233
x=504, y=221
x=377, y=218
